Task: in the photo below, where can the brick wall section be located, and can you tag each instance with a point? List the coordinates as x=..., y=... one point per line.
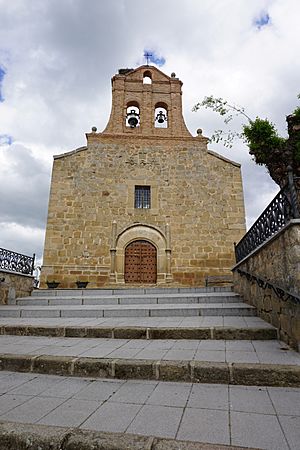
x=13, y=285
x=279, y=262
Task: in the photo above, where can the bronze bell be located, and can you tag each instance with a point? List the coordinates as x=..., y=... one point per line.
x=161, y=117
x=133, y=118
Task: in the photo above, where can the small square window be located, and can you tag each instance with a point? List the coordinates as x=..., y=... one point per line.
x=142, y=197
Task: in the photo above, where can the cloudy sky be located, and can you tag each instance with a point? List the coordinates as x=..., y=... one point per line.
x=57, y=58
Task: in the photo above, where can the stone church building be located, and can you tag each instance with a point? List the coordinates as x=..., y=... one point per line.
x=144, y=202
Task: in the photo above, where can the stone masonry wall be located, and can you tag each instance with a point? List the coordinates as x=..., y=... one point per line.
x=13, y=285
x=278, y=261
x=196, y=192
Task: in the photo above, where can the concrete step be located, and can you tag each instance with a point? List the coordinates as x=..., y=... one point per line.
x=150, y=365
x=127, y=291
x=147, y=310
x=129, y=299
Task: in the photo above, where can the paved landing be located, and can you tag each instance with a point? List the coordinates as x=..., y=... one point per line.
x=260, y=417
x=264, y=352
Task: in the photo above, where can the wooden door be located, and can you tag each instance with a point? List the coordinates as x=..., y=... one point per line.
x=140, y=263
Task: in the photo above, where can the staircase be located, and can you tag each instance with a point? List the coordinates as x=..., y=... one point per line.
x=205, y=337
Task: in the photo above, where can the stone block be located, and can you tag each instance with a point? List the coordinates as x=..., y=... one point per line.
x=53, y=365
x=209, y=372
x=174, y=371
x=92, y=367
x=179, y=333
x=265, y=375
x=130, y=333
x=99, y=332
x=75, y=332
x=134, y=368
x=16, y=363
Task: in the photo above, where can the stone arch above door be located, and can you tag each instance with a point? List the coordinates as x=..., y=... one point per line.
x=148, y=233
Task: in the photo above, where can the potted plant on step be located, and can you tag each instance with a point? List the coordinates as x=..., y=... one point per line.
x=52, y=284
x=81, y=284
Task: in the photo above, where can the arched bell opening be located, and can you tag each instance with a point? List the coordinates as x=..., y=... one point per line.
x=132, y=115
x=161, y=115
x=147, y=77
x=140, y=265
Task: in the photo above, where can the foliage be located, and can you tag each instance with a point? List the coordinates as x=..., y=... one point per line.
x=261, y=137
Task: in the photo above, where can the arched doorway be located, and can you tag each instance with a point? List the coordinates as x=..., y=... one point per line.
x=140, y=262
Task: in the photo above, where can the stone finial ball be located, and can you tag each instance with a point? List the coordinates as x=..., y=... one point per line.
x=173, y=74
x=94, y=129
x=199, y=132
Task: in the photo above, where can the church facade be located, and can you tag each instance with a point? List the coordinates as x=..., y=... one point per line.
x=144, y=202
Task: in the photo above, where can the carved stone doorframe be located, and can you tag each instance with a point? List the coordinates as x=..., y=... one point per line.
x=145, y=232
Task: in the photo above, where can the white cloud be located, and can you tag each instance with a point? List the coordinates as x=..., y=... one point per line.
x=59, y=58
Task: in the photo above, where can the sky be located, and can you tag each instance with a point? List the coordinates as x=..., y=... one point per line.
x=57, y=58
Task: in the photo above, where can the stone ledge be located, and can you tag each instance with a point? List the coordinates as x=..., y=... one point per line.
x=255, y=374
x=228, y=333
x=36, y=437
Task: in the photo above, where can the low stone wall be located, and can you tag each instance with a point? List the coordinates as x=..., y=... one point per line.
x=278, y=261
x=14, y=285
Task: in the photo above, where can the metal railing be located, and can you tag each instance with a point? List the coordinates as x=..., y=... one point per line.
x=282, y=209
x=16, y=262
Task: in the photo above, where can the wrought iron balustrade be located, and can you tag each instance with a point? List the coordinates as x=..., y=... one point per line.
x=283, y=208
x=16, y=262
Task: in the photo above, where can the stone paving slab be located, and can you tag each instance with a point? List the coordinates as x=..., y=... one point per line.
x=245, y=416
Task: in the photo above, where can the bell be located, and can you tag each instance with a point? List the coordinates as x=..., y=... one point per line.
x=133, y=118
x=161, y=117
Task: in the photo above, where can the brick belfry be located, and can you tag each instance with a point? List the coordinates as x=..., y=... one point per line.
x=144, y=202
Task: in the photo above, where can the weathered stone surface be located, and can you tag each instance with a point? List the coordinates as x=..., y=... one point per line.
x=92, y=367
x=18, y=436
x=53, y=365
x=92, y=217
x=18, y=363
x=34, y=437
x=131, y=368
x=99, y=332
x=174, y=371
x=14, y=285
x=266, y=374
x=277, y=261
x=75, y=332
x=245, y=333
x=210, y=372
x=179, y=333
x=15, y=330
x=45, y=331
x=130, y=333
x=89, y=440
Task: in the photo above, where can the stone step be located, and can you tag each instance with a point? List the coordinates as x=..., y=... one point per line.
x=147, y=310
x=127, y=291
x=127, y=332
x=130, y=299
x=196, y=371
x=15, y=435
